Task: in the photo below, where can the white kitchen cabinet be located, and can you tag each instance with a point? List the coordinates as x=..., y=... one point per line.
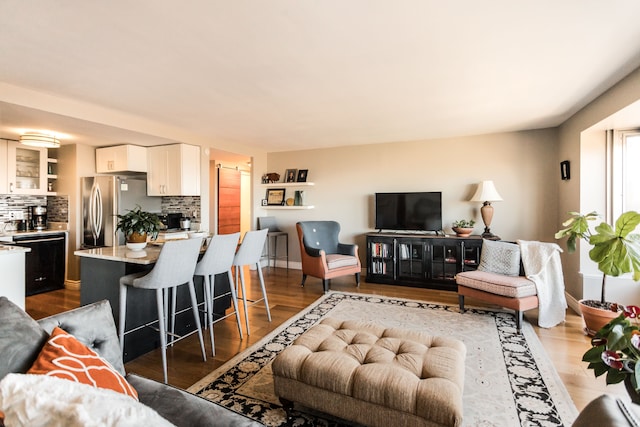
x=121, y=158
x=173, y=170
x=26, y=169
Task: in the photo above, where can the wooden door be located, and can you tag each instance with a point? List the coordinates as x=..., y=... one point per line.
x=228, y=200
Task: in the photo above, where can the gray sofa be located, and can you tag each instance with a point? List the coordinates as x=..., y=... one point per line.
x=21, y=339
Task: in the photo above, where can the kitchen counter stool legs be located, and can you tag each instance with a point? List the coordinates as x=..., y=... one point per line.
x=175, y=266
x=249, y=253
x=216, y=260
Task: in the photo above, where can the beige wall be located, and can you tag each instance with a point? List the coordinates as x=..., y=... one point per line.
x=582, y=141
x=78, y=161
x=523, y=166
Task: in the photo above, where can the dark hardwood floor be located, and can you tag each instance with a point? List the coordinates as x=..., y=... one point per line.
x=564, y=344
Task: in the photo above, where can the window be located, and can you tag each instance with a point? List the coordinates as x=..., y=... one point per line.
x=625, y=172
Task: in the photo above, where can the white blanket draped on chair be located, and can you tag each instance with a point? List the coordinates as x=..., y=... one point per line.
x=542, y=266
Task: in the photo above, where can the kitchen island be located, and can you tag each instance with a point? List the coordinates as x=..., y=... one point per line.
x=100, y=272
x=13, y=271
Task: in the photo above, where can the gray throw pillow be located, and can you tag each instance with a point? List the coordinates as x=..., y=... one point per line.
x=500, y=258
x=21, y=339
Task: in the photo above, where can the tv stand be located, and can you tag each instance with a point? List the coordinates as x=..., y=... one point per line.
x=420, y=260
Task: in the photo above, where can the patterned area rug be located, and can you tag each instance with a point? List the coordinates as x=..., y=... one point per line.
x=509, y=379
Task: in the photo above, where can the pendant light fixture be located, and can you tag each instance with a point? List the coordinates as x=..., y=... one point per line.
x=39, y=140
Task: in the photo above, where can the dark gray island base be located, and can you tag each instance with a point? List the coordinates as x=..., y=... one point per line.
x=100, y=272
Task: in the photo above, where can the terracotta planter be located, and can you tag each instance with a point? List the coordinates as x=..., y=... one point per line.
x=595, y=318
x=136, y=237
x=462, y=232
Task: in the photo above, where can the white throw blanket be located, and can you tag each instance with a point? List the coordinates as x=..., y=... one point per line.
x=542, y=266
x=41, y=400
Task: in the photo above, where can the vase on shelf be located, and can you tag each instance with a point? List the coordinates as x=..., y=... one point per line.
x=298, y=199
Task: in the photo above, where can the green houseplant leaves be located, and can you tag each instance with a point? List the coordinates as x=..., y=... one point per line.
x=138, y=221
x=615, y=250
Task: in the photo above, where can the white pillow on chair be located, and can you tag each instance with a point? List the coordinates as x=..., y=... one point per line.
x=500, y=258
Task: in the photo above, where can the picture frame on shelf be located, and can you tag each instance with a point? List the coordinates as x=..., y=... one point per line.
x=275, y=196
x=290, y=175
x=302, y=175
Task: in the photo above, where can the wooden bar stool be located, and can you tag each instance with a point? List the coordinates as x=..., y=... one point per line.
x=175, y=266
x=218, y=259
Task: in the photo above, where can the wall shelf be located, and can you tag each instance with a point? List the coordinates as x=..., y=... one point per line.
x=284, y=208
x=288, y=184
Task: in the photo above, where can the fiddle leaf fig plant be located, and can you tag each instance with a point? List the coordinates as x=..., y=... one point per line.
x=615, y=250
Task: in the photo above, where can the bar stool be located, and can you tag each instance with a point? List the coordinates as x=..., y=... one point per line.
x=269, y=222
x=218, y=259
x=249, y=253
x=175, y=266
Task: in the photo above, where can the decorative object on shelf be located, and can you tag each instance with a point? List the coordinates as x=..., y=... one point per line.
x=290, y=201
x=275, y=196
x=137, y=225
x=302, y=175
x=290, y=175
x=270, y=177
x=41, y=140
x=463, y=227
x=616, y=351
x=264, y=202
x=487, y=193
x=298, y=198
x=616, y=250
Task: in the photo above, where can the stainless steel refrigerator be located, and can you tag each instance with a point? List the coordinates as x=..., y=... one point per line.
x=106, y=197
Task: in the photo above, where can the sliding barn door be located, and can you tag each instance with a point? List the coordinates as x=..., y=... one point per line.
x=228, y=200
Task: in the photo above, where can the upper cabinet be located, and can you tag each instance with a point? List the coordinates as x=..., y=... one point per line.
x=121, y=158
x=173, y=170
x=26, y=169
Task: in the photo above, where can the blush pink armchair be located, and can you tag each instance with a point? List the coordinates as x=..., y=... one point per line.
x=323, y=256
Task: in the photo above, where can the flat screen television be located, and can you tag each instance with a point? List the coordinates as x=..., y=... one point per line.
x=420, y=211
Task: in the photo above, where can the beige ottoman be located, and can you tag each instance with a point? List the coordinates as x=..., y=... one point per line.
x=372, y=375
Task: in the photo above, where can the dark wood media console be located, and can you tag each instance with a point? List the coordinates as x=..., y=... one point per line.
x=417, y=260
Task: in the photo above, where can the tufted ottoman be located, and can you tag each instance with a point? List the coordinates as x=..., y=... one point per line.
x=372, y=375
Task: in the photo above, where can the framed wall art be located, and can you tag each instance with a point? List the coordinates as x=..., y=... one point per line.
x=302, y=175
x=275, y=196
x=290, y=175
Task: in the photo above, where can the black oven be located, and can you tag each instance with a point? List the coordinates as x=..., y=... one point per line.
x=45, y=263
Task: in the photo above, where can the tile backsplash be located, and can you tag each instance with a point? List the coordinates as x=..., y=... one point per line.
x=58, y=206
x=186, y=205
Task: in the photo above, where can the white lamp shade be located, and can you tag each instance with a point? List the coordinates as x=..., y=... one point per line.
x=486, y=192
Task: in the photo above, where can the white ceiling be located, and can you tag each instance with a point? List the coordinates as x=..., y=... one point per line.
x=296, y=74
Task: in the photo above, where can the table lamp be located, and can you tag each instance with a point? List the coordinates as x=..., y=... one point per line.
x=487, y=193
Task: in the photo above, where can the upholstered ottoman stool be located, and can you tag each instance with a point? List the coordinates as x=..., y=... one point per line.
x=515, y=292
x=365, y=373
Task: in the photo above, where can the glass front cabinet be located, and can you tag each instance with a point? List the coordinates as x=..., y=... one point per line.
x=26, y=169
x=423, y=261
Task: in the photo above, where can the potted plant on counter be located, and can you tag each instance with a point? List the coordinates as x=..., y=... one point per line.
x=615, y=250
x=463, y=227
x=137, y=225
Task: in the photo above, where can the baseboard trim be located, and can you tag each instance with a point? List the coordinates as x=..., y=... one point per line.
x=572, y=303
x=73, y=285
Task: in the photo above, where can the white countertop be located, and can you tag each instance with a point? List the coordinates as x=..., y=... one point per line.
x=148, y=255
x=7, y=236
x=9, y=250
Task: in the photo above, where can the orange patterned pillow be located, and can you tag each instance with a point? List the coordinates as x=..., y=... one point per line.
x=63, y=356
